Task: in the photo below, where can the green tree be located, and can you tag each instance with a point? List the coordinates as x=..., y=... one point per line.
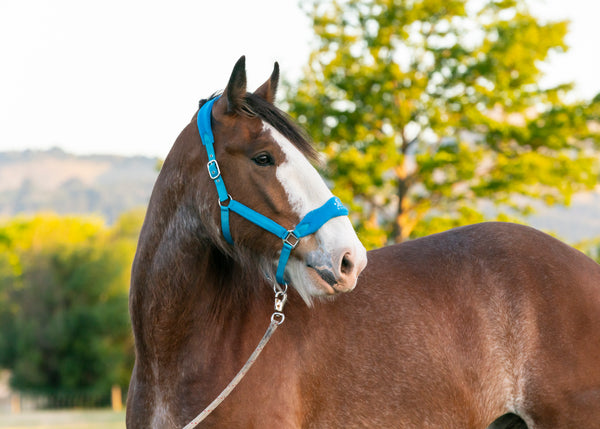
x=63, y=303
x=590, y=247
x=431, y=115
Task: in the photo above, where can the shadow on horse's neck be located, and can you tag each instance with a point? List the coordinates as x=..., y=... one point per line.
x=183, y=281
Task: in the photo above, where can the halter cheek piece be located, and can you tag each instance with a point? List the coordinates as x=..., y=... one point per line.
x=311, y=223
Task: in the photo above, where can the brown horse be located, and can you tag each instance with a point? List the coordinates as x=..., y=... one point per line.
x=492, y=325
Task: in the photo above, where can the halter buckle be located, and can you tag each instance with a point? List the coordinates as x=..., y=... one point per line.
x=291, y=240
x=213, y=169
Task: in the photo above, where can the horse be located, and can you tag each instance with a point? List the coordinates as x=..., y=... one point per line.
x=492, y=325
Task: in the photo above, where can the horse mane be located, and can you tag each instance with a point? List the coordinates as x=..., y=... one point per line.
x=255, y=106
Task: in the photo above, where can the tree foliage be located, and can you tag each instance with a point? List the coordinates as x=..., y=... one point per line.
x=591, y=247
x=63, y=302
x=431, y=115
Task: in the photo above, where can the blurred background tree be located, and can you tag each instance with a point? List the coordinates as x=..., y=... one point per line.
x=64, y=285
x=431, y=115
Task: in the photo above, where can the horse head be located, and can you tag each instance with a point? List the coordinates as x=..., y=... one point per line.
x=262, y=157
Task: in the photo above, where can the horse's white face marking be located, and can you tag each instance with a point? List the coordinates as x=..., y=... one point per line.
x=307, y=191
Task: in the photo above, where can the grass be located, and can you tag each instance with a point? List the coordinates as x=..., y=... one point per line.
x=64, y=419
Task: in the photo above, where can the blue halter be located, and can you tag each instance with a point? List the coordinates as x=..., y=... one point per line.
x=310, y=224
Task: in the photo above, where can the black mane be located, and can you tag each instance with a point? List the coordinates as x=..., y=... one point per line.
x=282, y=122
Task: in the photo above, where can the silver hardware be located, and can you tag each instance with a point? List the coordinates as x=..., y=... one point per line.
x=280, y=299
x=209, y=165
x=221, y=203
x=277, y=318
x=291, y=240
x=277, y=288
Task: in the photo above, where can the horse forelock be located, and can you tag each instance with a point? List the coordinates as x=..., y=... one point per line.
x=283, y=123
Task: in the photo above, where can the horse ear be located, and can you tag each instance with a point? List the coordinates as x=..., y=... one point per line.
x=236, y=88
x=268, y=89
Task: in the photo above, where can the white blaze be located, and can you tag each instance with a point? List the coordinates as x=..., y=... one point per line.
x=307, y=191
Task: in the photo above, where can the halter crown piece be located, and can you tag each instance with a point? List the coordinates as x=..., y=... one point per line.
x=311, y=222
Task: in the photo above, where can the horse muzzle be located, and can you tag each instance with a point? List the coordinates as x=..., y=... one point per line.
x=336, y=272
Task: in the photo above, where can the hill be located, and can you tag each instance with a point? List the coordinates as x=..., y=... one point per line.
x=578, y=222
x=108, y=185
x=53, y=180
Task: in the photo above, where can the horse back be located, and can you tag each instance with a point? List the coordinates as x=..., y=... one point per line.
x=494, y=314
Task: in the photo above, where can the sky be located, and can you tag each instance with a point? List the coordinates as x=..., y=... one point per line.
x=125, y=76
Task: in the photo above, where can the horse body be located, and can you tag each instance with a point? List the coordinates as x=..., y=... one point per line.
x=477, y=323
x=463, y=327
x=453, y=330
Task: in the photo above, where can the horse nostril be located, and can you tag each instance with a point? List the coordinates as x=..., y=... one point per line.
x=347, y=264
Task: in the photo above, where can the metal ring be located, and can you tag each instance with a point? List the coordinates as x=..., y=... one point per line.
x=227, y=201
x=277, y=318
x=277, y=288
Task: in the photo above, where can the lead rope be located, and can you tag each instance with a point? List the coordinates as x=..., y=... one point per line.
x=277, y=319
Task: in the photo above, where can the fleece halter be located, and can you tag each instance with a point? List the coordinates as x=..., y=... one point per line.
x=310, y=224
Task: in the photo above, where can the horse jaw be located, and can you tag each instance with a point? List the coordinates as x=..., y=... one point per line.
x=336, y=256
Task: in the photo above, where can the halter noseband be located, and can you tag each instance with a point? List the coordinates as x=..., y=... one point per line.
x=311, y=222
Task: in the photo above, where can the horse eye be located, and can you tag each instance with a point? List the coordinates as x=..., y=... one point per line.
x=263, y=159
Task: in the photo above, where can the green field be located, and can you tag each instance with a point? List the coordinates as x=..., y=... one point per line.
x=64, y=419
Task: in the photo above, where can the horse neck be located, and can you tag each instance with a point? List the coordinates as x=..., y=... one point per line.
x=182, y=280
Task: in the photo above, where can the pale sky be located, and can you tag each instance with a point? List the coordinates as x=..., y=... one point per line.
x=125, y=76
